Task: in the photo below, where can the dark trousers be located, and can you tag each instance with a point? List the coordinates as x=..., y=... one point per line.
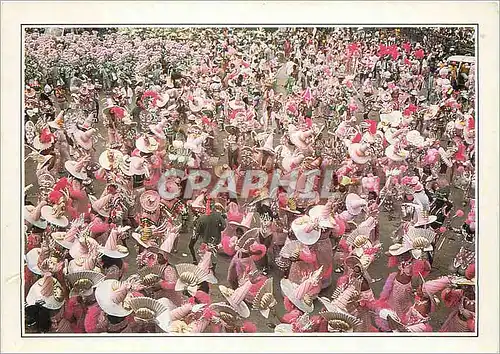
x=232, y=157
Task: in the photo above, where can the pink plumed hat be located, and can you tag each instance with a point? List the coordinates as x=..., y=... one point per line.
x=323, y=213
x=112, y=249
x=357, y=152
x=198, y=203
x=236, y=298
x=299, y=139
x=301, y=294
x=66, y=239
x=77, y=168
x=289, y=162
x=83, y=246
x=111, y=295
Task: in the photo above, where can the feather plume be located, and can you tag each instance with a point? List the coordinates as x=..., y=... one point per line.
x=289, y=306
x=91, y=322
x=389, y=283
x=291, y=316
x=421, y=267
x=55, y=196
x=451, y=297
x=63, y=183
x=249, y=327
x=392, y=261
x=307, y=256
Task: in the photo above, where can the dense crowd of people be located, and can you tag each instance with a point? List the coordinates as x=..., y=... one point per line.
x=278, y=149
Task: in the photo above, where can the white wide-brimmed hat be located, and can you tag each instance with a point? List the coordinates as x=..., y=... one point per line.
x=110, y=105
x=146, y=144
x=145, y=237
x=300, y=139
x=323, y=213
x=66, y=239
x=396, y=153
x=113, y=297
x=32, y=260
x=354, y=204
x=42, y=161
x=33, y=215
x=196, y=105
x=236, y=298
x=393, y=135
x=77, y=168
x=268, y=145
x=301, y=295
x=47, y=289
x=136, y=166
x=87, y=123
x=414, y=138
x=167, y=188
x=112, y=249
x=48, y=140
x=159, y=129
x=198, y=203
x=85, y=139
x=163, y=100
x=102, y=206
x=302, y=324
x=262, y=195
x=54, y=216
x=58, y=122
x=222, y=170
x=357, y=152
x=431, y=112
x=111, y=159
x=392, y=119
x=306, y=230
x=245, y=223
x=398, y=249
x=150, y=200
x=237, y=105
x=423, y=217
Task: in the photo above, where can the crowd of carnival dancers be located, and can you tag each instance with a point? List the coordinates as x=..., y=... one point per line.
x=133, y=130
